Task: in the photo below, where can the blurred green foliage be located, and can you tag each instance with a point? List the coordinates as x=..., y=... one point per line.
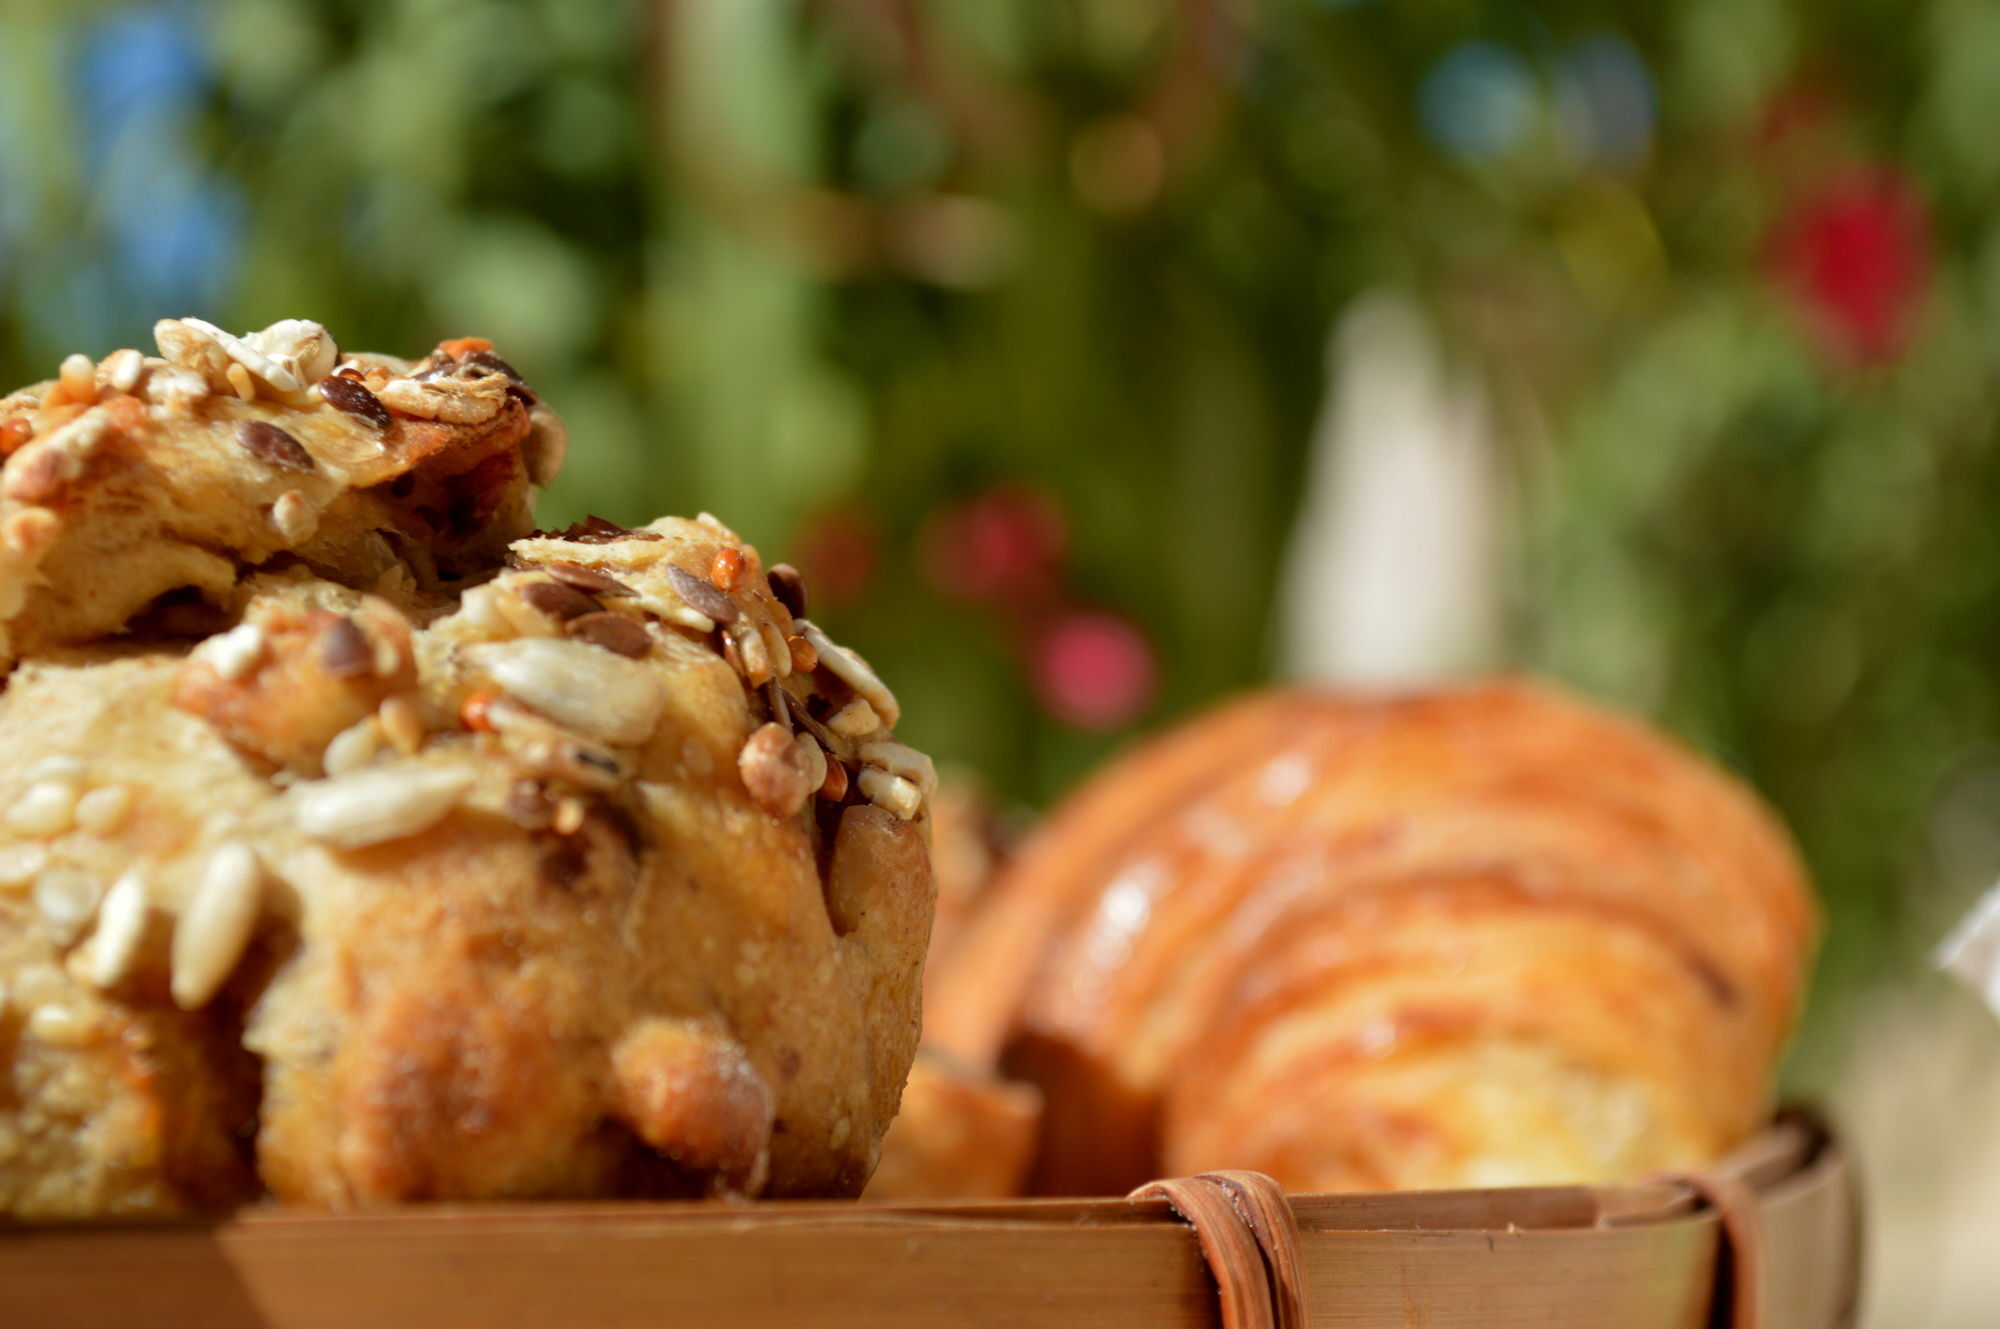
x=1728, y=266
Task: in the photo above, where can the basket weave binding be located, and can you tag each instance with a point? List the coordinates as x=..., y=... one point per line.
x=1250, y=1238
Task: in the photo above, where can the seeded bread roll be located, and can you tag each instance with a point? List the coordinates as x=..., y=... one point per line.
x=598, y=873
x=151, y=476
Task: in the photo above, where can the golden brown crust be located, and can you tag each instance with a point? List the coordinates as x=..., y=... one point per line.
x=475, y=878
x=1436, y=918
x=145, y=477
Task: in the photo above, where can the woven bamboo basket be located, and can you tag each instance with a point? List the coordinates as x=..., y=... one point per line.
x=1769, y=1239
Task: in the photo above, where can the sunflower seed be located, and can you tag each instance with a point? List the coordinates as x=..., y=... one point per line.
x=854, y=671
x=904, y=760
x=353, y=747
x=593, y=692
x=374, y=806
x=210, y=938
x=121, y=926
x=754, y=656
x=892, y=793
x=775, y=650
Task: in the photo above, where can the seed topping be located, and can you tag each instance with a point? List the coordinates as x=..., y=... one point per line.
x=589, y=580
x=613, y=632
x=210, y=938
x=725, y=571
x=377, y=805
x=345, y=650
x=559, y=601
x=775, y=771
x=789, y=586
x=46, y=807
x=595, y=693
x=121, y=927
x=701, y=596
x=268, y=443
x=66, y=899
x=345, y=394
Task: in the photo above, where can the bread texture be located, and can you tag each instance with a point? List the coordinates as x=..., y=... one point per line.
x=386, y=849
x=1491, y=935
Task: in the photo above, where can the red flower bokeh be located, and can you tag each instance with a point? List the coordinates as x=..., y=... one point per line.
x=1854, y=252
x=1094, y=669
x=1004, y=547
x=838, y=552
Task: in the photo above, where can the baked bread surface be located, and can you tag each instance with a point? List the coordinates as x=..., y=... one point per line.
x=361, y=844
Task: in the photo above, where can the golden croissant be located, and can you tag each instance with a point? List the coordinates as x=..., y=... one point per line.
x=1475, y=937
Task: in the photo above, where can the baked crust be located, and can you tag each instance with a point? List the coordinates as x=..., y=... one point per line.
x=1489, y=935
x=523, y=885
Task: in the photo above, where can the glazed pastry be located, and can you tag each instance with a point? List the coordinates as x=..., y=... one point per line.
x=1479, y=937
x=412, y=854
